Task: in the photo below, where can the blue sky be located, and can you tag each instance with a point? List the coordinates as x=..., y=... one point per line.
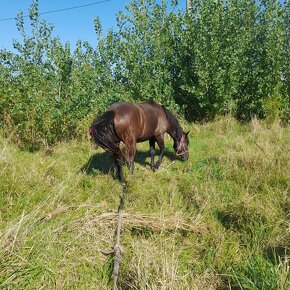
x=70, y=25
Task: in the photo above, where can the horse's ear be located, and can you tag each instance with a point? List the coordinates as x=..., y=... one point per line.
x=186, y=134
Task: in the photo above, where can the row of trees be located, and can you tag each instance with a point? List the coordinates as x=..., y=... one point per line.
x=229, y=56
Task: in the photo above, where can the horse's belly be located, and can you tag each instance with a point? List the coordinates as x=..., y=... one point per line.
x=147, y=131
x=143, y=138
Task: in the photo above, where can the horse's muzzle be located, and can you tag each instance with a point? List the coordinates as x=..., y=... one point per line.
x=184, y=156
x=90, y=131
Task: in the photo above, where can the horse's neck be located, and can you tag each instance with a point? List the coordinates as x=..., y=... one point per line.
x=173, y=127
x=172, y=131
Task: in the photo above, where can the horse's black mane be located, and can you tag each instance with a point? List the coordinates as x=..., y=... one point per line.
x=174, y=124
x=176, y=130
x=152, y=102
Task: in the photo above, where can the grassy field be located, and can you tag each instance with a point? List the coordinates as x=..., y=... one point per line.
x=219, y=221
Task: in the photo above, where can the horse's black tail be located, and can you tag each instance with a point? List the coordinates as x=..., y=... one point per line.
x=103, y=132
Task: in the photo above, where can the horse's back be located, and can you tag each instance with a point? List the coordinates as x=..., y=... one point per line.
x=138, y=121
x=126, y=115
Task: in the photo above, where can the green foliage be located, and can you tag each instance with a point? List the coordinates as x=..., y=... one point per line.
x=219, y=57
x=146, y=51
x=273, y=107
x=234, y=51
x=46, y=89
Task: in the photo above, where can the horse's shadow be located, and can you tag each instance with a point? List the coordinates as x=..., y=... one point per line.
x=103, y=162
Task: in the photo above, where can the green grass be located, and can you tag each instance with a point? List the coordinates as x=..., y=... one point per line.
x=218, y=221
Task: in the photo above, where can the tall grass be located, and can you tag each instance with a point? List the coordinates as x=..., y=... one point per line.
x=218, y=221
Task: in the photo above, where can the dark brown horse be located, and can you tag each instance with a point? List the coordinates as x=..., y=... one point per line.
x=131, y=123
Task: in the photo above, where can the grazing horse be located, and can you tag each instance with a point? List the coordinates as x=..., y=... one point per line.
x=132, y=123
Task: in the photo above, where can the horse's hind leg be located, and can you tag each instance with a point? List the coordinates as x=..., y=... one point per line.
x=130, y=153
x=118, y=162
x=152, y=150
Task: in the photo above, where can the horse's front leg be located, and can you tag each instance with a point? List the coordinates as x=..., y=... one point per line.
x=160, y=142
x=152, y=150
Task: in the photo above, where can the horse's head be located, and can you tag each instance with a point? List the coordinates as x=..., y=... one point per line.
x=181, y=147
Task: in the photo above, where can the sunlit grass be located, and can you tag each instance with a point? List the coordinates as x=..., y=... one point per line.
x=218, y=221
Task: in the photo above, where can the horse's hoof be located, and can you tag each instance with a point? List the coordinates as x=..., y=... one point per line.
x=155, y=168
